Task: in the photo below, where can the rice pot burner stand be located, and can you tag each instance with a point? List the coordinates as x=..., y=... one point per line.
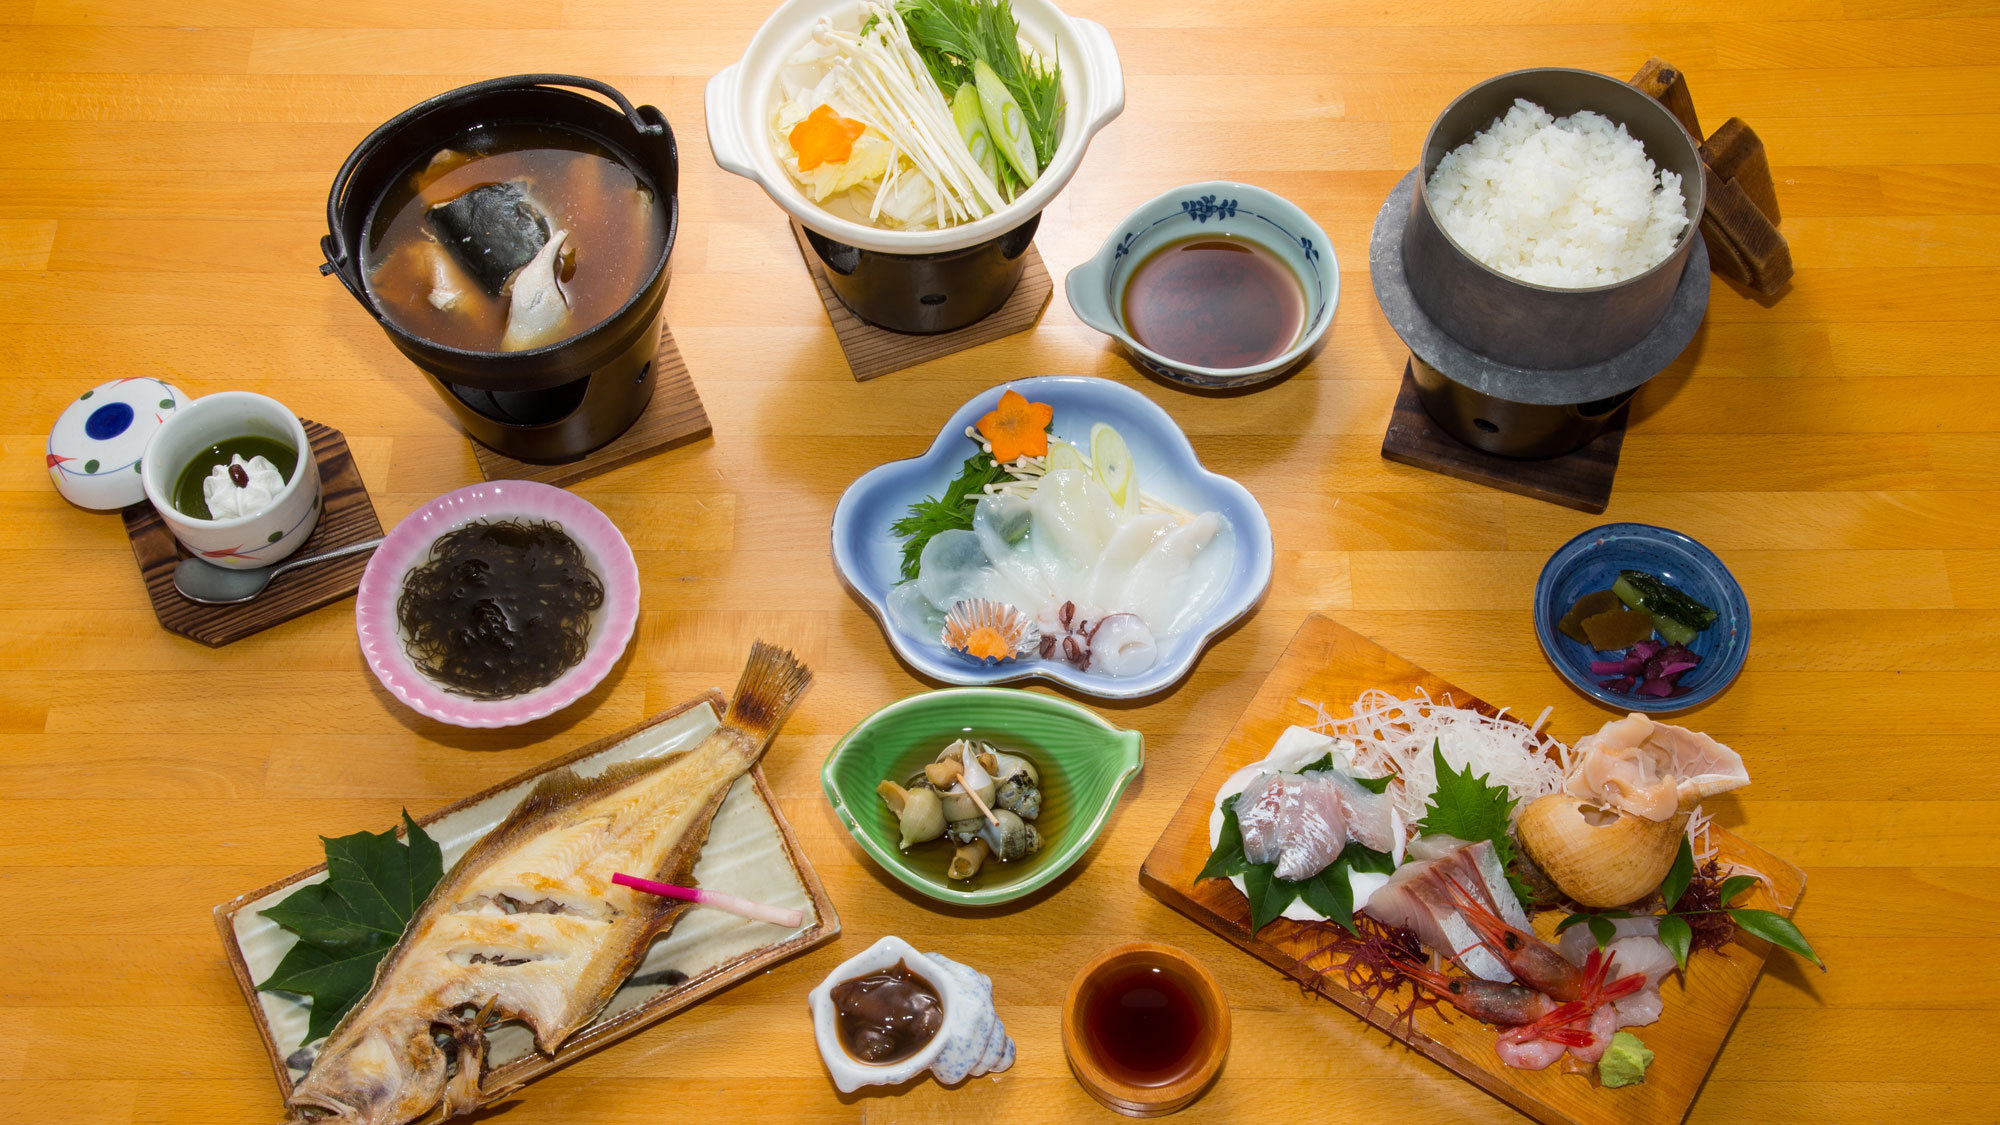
x=1528, y=371
x=551, y=404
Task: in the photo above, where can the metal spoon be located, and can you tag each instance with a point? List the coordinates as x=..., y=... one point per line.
x=204, y=582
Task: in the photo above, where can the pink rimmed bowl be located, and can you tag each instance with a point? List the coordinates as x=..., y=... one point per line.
x=410, y=544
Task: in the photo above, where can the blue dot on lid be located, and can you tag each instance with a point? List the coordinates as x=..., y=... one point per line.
x=108, y=421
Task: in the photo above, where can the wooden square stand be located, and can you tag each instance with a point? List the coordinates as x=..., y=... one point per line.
x=1580, y=480
x=674, y=417
x=873, y=351
x=349, y=517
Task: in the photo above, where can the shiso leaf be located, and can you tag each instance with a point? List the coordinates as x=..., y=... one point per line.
x=375, y=884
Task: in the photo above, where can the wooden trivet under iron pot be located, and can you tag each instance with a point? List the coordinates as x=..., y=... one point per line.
x=674, y=417
x=349, y=517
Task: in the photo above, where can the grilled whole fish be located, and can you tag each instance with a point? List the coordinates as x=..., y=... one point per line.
x=528, y=925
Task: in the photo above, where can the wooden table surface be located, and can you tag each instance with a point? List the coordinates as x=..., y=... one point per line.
x=162, y=179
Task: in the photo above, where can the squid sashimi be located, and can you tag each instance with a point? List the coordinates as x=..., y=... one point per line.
x=1101, y=575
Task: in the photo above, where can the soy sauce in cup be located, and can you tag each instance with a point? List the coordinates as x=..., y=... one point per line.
x=1215, y=301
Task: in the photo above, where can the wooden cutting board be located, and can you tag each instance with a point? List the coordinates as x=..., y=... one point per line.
x=1332, y=665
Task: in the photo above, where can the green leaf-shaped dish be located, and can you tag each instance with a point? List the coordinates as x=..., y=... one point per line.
x=1085, y=764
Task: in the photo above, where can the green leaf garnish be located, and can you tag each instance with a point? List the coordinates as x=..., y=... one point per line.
x=1678, y=876
x=1471, y=809
x=952, y=34
x=1734, y=886
x=1776, y=929
x=1676, y=935
x=952, y=512
x=1227, y=859
x=1375, y=784
x=345, y=925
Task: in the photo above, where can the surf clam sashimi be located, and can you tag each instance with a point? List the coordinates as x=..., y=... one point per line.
x=1610, y=836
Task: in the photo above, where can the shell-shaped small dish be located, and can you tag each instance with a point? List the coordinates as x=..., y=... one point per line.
x=970, y=1043
x=1084, y=764
x=869, y=556
x=409, y=545
x=989, y=632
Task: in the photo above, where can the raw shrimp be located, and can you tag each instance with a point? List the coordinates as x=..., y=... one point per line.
x=1530, y=959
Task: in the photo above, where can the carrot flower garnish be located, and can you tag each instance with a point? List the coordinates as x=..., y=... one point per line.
x=825, y=137
x=1017, y=428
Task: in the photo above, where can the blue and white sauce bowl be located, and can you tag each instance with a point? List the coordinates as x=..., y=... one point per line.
x=1096, y=288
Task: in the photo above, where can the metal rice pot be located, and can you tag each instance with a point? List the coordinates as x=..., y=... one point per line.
x=925, y=294
x=1538, y=326
x=551, y=404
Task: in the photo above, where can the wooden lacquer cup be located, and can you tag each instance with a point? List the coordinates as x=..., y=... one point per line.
x=1104, y=1078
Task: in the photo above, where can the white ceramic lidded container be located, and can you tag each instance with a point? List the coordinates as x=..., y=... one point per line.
x=244, y=542
x=971, y=1042
x=914, y=281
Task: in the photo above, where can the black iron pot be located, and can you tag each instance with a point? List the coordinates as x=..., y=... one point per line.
x=556, y=403
x=925, y=294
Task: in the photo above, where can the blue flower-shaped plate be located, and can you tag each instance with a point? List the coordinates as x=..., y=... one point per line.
x=1591, y=562
x=869, y=556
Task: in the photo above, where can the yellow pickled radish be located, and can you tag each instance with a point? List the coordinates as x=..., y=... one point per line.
x=1063, y=455
x=1114, y=466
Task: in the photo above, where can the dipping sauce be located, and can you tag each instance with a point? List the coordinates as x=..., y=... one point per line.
x=1215, y=302
x=886, y=1016
x=188, y=498
x=1142, y=1022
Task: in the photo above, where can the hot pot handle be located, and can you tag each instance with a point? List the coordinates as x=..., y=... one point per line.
x=1107, y=74
x=339, y=256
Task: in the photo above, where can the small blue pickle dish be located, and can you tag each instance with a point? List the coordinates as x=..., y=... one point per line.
x=1591, y=562
x=1096, y=289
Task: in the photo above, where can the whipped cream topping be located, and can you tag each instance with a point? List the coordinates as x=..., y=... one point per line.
x=228, y=500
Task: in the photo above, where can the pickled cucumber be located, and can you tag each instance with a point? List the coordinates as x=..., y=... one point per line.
x=1678, y=617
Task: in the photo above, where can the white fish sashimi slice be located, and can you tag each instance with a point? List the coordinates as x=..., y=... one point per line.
x=1113, y=573
x=1416, y=898
x=1074, y=521
x=1370, y=816
x=1640, y=1008
x=1257, y=812
x=1311, y=829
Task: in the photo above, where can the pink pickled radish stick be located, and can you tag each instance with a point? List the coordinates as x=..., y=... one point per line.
x=715, y=900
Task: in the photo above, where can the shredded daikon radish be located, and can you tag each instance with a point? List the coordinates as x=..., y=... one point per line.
x=1392, y=735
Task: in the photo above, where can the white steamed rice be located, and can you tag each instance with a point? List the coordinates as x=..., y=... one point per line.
x=1570, y=202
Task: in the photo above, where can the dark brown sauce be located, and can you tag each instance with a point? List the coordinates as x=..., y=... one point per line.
x=888, y=1015
x=499, y=609
x=1142, y=1023
x=1215, y=302
x=615, y=228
